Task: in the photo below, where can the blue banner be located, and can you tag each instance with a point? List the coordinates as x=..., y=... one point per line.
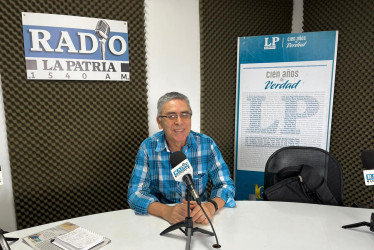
x=285, y=87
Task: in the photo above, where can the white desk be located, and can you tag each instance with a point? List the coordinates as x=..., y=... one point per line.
x=251, y=225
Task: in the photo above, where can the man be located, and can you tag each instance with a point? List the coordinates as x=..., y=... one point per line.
x=152, y=186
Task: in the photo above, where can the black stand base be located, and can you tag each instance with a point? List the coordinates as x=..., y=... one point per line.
x=3, y=240
x=360, y=224
x=187, y=224
x=11, y=239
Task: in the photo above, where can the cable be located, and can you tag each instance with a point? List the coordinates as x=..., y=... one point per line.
x=215, y=235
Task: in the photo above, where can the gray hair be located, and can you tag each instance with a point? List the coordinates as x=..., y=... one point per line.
x=168, y=97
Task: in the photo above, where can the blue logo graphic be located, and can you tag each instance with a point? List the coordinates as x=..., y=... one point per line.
x=181, y=169
x=369, y=177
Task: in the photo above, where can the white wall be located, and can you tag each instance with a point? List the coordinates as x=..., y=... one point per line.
x=7, y=213
x=173, y=54
x=297, y=16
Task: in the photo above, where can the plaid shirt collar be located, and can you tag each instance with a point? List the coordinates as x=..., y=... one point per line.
x=162, y=145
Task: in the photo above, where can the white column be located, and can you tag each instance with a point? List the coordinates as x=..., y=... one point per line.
x=173, y=54
x=7, y=212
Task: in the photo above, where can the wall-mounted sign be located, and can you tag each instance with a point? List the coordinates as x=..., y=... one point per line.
x=59, y=47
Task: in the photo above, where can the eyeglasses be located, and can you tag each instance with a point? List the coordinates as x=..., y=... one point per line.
x=183, y=116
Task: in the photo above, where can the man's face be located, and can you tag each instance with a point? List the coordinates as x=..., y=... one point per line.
x=176, y=130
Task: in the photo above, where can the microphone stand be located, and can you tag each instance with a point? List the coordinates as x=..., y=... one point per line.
x=364, y=223
x=187, y=223
x=3, y=240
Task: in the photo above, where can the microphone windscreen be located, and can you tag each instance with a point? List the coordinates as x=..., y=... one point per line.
x=176, y=158
x=368, y=158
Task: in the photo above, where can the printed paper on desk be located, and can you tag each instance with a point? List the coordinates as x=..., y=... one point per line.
x=369, y=177
x=78, y=239
x=42, y=240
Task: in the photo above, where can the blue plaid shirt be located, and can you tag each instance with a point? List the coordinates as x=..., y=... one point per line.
x=151, y=179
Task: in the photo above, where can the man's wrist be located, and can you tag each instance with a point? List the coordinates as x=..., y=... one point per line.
x=159, y=209
x=210, y=207
x=215, y=205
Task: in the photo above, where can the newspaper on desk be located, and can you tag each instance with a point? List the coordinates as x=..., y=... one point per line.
x=42, y=240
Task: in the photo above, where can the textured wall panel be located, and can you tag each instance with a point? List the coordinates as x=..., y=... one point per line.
x=353, y=112
x=72, y=144
x=221, y=23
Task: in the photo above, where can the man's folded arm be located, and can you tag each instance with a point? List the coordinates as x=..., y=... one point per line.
x=139, y=193
x=140, y=201
x=223, y=185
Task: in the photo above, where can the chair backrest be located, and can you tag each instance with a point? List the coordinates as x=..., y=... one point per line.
x=322, y=161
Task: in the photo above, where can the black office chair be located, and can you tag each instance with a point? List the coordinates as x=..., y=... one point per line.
x=322, y=163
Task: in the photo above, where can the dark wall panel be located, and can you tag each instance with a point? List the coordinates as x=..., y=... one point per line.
x=72, y=144
x=353, y=112
x=221, y=23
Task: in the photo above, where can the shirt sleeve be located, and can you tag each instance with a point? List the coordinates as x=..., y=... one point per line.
x=139, y=193
x=223, y=185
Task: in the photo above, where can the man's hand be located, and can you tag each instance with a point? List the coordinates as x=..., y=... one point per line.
x=198, y=215
x=176, y=213
x=172, y=214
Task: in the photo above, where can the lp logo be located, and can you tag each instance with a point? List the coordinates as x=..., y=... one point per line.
x=291, y=114
x=271, y=45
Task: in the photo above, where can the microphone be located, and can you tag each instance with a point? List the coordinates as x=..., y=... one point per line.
x=367, y=157
x=183, y=171
x=368, y=164
x=102, y=31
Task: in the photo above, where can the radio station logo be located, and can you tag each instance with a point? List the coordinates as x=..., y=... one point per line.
x=181, y=169
x=184, y=166
x=82, y=49
x=369, y=177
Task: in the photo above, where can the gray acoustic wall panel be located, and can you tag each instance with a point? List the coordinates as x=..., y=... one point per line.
x=221, y=23
x=72, y=144
x=353, y=111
